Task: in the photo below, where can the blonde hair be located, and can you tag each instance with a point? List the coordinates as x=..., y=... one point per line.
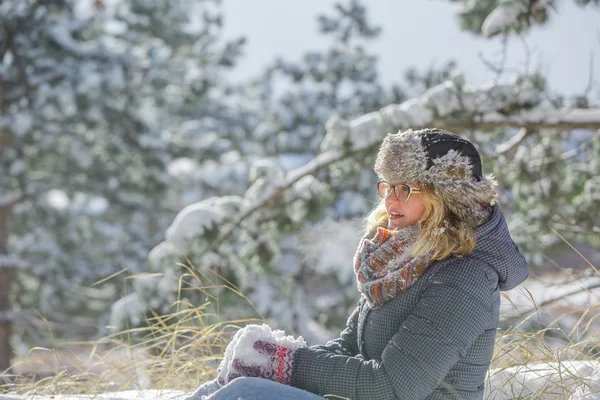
x=442, y=233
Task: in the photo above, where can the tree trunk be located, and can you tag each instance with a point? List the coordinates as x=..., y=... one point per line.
x=8, y=274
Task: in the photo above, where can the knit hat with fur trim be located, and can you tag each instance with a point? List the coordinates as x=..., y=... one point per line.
x=443, y=161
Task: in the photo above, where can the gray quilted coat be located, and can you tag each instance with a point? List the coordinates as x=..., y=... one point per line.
x=433, y=341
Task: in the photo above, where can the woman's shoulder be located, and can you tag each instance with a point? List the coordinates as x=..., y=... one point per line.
x=465, y=272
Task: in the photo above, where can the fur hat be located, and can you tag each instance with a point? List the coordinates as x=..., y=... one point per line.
x=443, y=161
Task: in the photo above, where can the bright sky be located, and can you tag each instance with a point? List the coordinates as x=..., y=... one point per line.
x=421, y=33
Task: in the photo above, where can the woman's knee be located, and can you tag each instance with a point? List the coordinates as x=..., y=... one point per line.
x=247, y=386
x=247, y=381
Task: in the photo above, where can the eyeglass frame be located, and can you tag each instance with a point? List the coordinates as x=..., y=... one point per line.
x=392, y=189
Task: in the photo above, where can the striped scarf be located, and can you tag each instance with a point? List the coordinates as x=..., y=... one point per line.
x=384, y=267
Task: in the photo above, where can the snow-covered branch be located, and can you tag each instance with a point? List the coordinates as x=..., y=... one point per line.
x=321, y=161
x=452, y=106
x=563, y=118
x=513, y=142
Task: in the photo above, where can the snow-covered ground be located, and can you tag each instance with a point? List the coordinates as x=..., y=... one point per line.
x=124, y=395
x=569, y=380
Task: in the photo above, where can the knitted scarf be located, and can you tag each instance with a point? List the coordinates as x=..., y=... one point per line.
x=384, y=267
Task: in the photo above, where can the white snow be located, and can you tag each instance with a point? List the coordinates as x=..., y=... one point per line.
x=522, y=298
x=503, y=16
x=192, y=221
x=307, y=187
x=453, y=95
x=569, y=380
x=265, y=130
x=182, y=166
x=124, y=395
x=337, y=132
x=366, y=129
x=163, y=251
x=266, y=168
x=552, y=379
x=196, y=218
x=57, y=199
x=407, y=114
x=548, y=116
x=94, y=205
x=130, y=307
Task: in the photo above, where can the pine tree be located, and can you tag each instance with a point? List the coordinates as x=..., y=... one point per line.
x=92, y=103
x=257, y=251
x=287, y=240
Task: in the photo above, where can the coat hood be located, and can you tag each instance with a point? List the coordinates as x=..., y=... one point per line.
x=495, y=247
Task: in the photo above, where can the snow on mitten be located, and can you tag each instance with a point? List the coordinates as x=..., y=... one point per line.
x=225, y=365
x=264, y=353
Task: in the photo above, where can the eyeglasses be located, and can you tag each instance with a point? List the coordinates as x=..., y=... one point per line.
x=401, y=192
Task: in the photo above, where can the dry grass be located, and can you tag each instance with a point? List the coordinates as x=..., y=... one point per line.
x=550, y=351
x=175, y=351
x=182, y=349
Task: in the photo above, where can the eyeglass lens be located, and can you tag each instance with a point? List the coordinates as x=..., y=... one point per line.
x=401, y=192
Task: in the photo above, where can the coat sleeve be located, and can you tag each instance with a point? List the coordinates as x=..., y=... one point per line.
x=454, y=309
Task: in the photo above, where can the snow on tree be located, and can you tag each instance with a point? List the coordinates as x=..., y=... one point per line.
x=297, y=99
x=292, y=101
x=490, y=116
x=493, y=17
x=94, y=99
x=315, y=178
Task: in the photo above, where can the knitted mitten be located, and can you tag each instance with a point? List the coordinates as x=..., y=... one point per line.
x=278, y=368
x=264, y=353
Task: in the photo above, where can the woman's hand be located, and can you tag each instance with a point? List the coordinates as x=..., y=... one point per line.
x=258, y=351
x=276, y=367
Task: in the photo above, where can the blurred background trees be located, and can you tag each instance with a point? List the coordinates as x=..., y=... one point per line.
x=124, y=148
x=92, y=107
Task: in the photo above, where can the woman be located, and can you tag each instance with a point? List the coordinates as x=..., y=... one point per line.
x=430, y=270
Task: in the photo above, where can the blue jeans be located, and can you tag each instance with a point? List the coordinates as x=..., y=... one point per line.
x=260, y=389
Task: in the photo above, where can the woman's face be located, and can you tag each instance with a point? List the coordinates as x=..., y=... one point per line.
x=404, y=213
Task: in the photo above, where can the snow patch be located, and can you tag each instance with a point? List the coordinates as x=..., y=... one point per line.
x=57, y=199
x=163, y=251
x=195, y=219
x=182, y=166
x=581, y=378
x=502, y=17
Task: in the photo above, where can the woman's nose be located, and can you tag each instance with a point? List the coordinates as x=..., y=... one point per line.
x=390, y=198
